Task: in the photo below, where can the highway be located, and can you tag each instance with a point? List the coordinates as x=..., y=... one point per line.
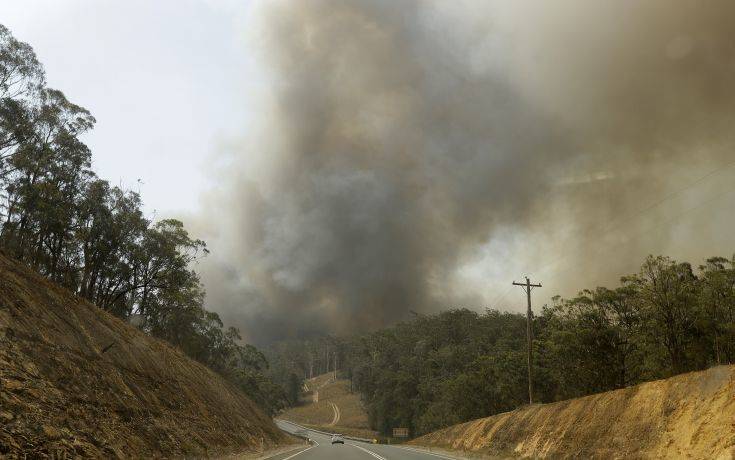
x=322, y=449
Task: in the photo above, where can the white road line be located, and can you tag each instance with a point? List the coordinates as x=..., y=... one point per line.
x=426, y=452
x=368, y=451
x=316, y=444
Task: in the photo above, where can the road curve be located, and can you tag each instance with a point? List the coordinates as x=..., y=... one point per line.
x=322, y=449
x=337, y=415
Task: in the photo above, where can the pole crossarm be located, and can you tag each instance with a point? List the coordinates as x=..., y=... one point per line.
x=528, y=284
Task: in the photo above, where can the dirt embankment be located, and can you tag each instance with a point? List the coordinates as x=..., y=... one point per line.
x=687, y=416
x=77, y=381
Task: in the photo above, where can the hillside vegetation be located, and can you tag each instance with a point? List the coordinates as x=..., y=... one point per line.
x=77, y=381
x=687, y=416
x=439, y=370
x=328, y=404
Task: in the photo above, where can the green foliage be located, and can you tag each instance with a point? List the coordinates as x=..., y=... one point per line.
x=717, y=297
x=589, y=344
x=459, y=365
x=443, y=369
x=662, y=321
x=57, y=216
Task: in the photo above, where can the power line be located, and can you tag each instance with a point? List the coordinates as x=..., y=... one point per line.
x=501, y=296
x=671, y=195
x=528, y=286
x=672, y=219
x=612, y=226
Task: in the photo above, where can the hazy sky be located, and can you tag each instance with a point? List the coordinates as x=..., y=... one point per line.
x=167, y=81
x=349, y=161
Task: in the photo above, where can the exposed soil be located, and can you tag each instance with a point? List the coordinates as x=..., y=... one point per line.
x=76, y=381
x=687, y=416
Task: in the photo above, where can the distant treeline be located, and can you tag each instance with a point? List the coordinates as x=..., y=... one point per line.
x=57, y=216
x=459, y=365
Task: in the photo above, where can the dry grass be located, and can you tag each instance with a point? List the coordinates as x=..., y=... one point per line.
x=319, y=381
x=335, y=390
x=687, y=416
x=353, y=418
x=320, y=413
x=352, y=412
x=60, y=395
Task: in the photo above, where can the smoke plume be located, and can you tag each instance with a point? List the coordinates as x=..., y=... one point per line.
x=420, y=155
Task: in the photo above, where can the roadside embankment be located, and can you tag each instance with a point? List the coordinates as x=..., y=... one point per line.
x=686, y=416
x=76, y=381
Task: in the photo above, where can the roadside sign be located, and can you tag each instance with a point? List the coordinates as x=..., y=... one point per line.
x=400, y=432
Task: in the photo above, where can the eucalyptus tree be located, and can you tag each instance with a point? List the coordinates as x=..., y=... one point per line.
x=718, y=305
x=58, y=217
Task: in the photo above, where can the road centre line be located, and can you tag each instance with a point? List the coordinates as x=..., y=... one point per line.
x=368, y=451
x=316, y=444
x=421, y=451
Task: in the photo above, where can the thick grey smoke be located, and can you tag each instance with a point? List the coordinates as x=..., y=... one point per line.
x=405, y=150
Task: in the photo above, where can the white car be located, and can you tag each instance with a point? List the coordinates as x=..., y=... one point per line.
x=337, y=439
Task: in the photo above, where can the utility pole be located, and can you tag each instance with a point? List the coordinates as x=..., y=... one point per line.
x=527, y=286
x=335, y=366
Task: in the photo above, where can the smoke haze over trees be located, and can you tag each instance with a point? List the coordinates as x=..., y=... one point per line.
x=418, y=155
x=437, y=370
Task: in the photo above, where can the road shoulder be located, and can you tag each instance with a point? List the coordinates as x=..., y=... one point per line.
x=271, y=454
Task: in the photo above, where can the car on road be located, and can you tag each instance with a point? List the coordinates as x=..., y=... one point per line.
x=337, y=439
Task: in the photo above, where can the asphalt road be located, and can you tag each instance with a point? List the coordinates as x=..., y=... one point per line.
x=322, y=449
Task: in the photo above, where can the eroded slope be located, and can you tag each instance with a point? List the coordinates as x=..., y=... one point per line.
x=59, y=392
x=687, y=416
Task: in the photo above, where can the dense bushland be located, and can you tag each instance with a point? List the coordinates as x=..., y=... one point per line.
x=458, y=365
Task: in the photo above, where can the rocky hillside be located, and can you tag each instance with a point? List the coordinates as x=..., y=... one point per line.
x=75, y=379
x=687, y=416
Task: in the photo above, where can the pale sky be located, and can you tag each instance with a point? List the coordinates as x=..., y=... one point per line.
x=167, y=81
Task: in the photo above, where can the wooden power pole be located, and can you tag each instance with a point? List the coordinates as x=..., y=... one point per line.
x=527, y=286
